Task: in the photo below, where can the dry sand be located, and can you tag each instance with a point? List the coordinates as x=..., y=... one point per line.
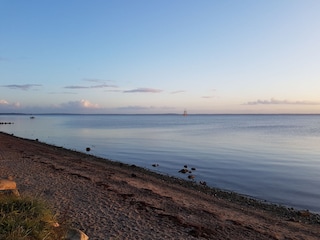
x=111, y=200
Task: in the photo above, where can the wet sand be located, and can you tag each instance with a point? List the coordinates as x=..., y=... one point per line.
x=111, y=200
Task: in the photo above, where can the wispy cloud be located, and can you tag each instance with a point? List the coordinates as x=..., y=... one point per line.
x=179, y=91
x=22, y=87
x=143, y=90
x=207, y=97
x=273, y=101
x=96, y=80
x=76, y=87
x=90, y=87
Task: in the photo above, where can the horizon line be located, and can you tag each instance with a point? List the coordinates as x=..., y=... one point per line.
x=12, y=113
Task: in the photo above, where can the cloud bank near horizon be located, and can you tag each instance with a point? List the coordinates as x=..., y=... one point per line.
x=72, y=106
x=82, y=106
x=7, y=106
x=273, y=101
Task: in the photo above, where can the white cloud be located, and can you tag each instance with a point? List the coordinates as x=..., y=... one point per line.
x=7, y=106
x=3, y=102
x=82, y=104
x=87, y=104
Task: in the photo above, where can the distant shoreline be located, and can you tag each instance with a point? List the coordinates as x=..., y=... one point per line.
x=150, y=114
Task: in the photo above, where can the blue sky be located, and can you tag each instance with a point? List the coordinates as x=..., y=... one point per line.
x=206, y=56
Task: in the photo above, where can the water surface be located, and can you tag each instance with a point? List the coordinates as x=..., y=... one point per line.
x=269, y=157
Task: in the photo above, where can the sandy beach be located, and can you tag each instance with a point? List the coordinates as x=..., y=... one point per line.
x=112, y=200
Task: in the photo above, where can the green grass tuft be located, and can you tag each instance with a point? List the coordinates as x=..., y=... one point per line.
x=27, y=219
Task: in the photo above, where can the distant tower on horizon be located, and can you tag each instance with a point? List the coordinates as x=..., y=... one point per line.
x=185, y=113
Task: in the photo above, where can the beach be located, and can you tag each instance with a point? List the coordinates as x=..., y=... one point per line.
x=112, y=200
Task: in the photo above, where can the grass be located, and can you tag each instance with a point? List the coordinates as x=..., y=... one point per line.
x=27, y=218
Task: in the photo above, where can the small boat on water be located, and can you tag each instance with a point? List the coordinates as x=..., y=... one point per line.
x=185, y=113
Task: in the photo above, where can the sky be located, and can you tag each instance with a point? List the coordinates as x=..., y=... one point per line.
x=160, y=56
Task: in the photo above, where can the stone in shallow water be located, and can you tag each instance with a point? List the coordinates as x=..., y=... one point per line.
x=183, y=170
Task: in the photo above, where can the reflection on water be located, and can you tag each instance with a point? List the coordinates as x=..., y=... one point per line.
x=271, y=157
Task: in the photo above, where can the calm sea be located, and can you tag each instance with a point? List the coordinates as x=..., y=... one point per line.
x=269, y=157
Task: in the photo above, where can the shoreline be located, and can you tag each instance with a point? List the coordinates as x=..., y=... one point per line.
x=113, y=200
